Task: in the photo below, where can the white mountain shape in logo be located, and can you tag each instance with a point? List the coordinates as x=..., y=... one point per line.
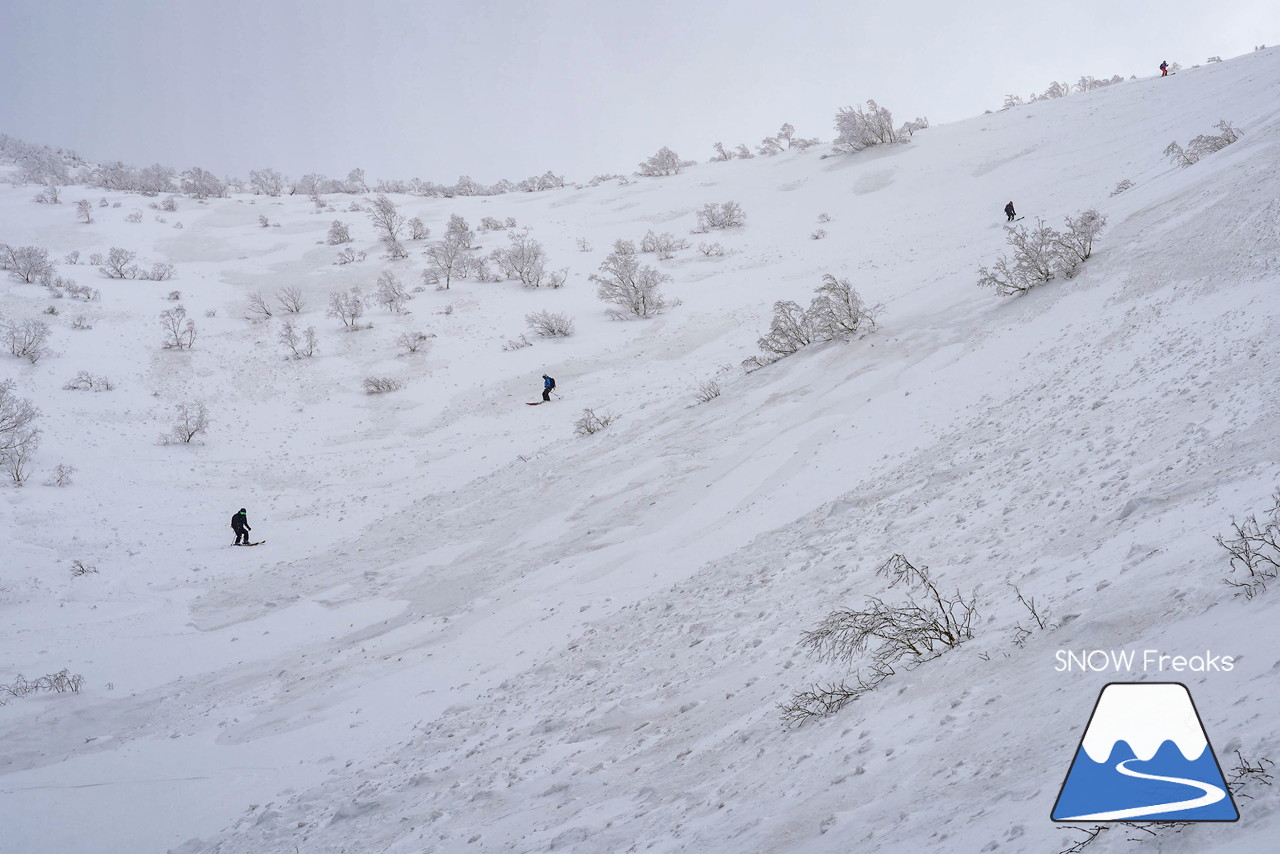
x=1145, y=716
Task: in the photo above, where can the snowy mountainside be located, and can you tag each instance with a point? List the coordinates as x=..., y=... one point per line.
x=471, y=630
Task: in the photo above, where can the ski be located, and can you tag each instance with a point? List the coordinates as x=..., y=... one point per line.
x=258, y=543
x=535, y=403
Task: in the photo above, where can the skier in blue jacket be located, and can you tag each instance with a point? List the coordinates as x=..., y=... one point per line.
x=547, y=385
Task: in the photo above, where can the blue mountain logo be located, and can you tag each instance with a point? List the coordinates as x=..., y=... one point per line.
x=1145, y=757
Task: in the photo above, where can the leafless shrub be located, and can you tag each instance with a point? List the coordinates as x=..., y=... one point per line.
x=61, y=682
x=1039, y=621
x=584, y=245
x=922, y=626
x=119, y=264
x=19, y=437
x=339, y=233
x=591, y=422
x=837, y=311
x=52, y=309
x=1203, y=145
x=258, y=309
x=418, y=229
x=290, y=299
x=159, y=272
x=263, y=221
x=174, y=296
x=301, y=345
x=25, y=263
x=549, y=325
x=1248, y=774
x=135, y=216
x=413, y=342
x=1255, y=550
x=79, y=567
x=517, y=343
x=72, y=258
x=631, y=287
x=27, y=339
x=665, y=245
x=85, y=381
x=818, y=234
x=84, y=210
x=179, y=331
x=348, y=255
x=380, y=385
x=824, y=217
x=1126, y=184
x=191, y=419
x=711, y=250
x=708, y=390
x=81, y=322
x=1042, y=253
x=347, y=306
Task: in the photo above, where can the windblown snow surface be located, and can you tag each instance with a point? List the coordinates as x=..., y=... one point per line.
x=472, y=630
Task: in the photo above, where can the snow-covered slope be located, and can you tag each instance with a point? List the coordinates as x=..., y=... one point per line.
x=471, y=630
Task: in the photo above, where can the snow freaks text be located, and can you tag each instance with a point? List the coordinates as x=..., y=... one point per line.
x=1147, y=661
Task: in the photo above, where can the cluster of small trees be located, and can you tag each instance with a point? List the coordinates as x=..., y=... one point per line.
x=19, y=436
x=118, y=264
x=1203, y=145
x=921, y=625
x=784, y=140
x=634, y=289
x=1086, y=83
x=837, y=311
x=524, y=259
x=25, y=263
x=1042, y=253
x=721, y=216
x=664, y=162
x=1254, y=546
x=26, y=339
x=664, y=245
x=857, y=128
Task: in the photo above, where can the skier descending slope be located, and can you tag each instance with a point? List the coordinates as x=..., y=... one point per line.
x=548, y=386
x=1010, y=212
x=240, y=524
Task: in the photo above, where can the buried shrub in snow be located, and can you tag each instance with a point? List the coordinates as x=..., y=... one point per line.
x=380, y=385
x=1255, y=551
x=549, y=325
x=413, y=342
x=1203, y=145
x=347, y=306
x=592, y=422
x=290, y=299
x=721, y=216
x=923, y=625
x=837, y=311
x=707, y=391
x=61, y=682
x=1042, y=253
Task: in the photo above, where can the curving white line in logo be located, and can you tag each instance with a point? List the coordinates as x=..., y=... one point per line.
x=1212, y=794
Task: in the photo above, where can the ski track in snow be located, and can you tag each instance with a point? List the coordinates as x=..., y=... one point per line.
x=472, y=630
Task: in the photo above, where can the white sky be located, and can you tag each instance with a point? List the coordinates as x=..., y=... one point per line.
x=493, y=89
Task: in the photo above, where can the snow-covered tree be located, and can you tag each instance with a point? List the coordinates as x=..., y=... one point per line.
x=27, y=339
x=725, y=215
x=665, y=162
x=390, y=293
x=523, y=259
x=459, y=232
x=339, y=233
x=857, y=129
x=266, y=182
x=84, y=210
x=19, y=436
x=418, y=229
x=119, y=264
x=200, y=184
x=387, y=221
x=635, y=289
x=25, y=263
x=154, y=180
x=446, y=259
x=347, y=306
x=179, y=332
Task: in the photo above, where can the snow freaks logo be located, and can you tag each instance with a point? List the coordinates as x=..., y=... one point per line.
x=1144, y=756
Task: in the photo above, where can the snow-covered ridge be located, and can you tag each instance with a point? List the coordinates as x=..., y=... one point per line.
x=472, y=630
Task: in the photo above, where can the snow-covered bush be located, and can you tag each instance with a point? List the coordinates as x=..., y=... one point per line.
x=159, y=272
x=1042, y=253
x=584, y=245
x=921, y=626
x=50, y=195
x=72, y=258
x=517, y=343
x=1126, y=184
x=837, y=311
x=302, y=344
x=523, y=259
x=726, y=215
x=459, y=232
x=549, y=324
x=84, y=210
x=711, y=250
x=665, y=162
x=857, y=129
x=25, y=263
x=61, y=682
x=666, y=245
x=390, y=293
x=339, y=233
x=199, y=184
x=191, y=418
x=134, y=217
x=179, y=331
x=266, y=182
x=1203, y=145
x=592, y=422
x=381, y=385
x=631, y=287
x=61, y=476
x=418, y=229
x=446, y=259
x=347, y=306
x=85, y=381
x=818, y=234
x=413, y=342
x=1254, y=547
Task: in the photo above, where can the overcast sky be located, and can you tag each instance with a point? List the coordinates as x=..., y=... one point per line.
x=498, y=88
